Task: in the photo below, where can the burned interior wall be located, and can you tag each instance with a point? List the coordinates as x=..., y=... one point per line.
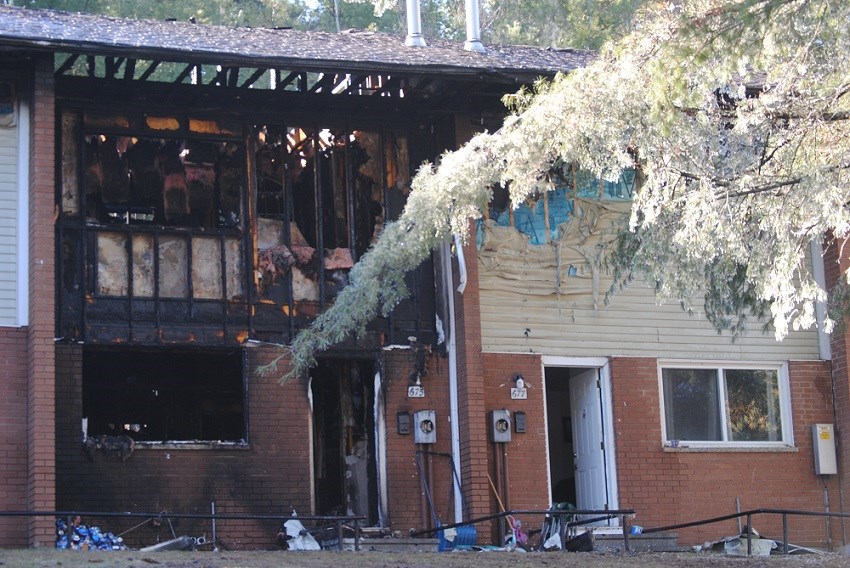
x=177, y=229
x=323, y=197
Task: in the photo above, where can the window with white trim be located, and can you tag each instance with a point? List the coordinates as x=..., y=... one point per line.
x=726, y=405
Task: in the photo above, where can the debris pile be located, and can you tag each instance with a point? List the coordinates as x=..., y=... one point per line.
x=78, y=536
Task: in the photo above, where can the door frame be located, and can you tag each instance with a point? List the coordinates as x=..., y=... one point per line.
x=603, y=367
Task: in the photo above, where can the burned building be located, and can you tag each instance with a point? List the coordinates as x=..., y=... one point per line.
x=180, y=200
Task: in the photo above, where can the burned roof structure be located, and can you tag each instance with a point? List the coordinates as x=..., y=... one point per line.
x=345, y=60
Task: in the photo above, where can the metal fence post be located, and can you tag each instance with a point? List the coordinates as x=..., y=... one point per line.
x=749, y=535
x=356, y=535
x=626, y=533
x=339, y=533
x=785, y=534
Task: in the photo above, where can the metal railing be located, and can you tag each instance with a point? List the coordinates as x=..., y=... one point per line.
x=339, y=521
x=596, y=516
x=749, y=516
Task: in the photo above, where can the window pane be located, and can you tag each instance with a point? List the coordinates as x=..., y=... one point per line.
x=753, y=397
x=691, y=404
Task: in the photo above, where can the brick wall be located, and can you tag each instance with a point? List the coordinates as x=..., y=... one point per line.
x=271, y=477
x=668, y=487
x=525, y=456
x=526, y=453
x=13, y=434
x=404, y=489
x=41, y=473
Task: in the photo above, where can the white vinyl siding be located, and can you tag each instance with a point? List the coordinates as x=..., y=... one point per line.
x=9, y=226
x=523, y=311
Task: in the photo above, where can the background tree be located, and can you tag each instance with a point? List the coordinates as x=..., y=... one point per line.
x=550, y=23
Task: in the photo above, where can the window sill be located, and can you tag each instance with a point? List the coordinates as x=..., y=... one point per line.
x=685, y=449
x=192, y=445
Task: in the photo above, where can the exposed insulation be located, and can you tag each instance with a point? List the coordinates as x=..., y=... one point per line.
x=112, y=264
x=143, y=266
x=173, y=260
x=206, y=268
x=70, y=155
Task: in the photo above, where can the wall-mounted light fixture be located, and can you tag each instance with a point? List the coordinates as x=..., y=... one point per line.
x=519, y=381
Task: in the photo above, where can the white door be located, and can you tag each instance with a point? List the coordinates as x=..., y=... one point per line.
x=586, y=410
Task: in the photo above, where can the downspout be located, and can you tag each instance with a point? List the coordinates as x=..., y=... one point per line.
x=414, y=25
x=454, y=414
x=23, y=234
x=825, y=352
x=473, y=28
x=819, y=272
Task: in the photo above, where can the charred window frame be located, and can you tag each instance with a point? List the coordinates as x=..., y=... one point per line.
x=170, y=396
x=323, y=196
x=153, y=222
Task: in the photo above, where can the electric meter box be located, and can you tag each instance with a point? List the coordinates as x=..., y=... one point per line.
x=500, y=425
x=823, y=436
x=425, y=427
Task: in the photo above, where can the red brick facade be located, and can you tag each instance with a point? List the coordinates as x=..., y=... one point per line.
x=668, y=486
x=41, y=430
x=13, y=433
x=269, y=477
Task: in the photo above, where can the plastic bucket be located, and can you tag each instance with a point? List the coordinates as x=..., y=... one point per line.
x=464, y=536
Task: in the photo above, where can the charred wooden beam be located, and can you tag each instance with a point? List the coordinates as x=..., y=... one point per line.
x=420, y=86
x=356, y=84
x=220, y=77
x=149, y=71
x=233, y=76
x=91, y=64
x=129, y=69
x=67, y=64
x=111, y=66
x=388, y=86
x=185, y=73
x=252, y=79
x=325, y=82
x=281, y=85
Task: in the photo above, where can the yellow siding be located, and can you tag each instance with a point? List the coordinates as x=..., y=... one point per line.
x=526, y=307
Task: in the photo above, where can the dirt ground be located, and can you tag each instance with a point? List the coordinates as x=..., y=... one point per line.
x=43, y=558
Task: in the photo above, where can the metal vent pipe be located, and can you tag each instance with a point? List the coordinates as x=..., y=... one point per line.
x=414, y=25
x=473, y=28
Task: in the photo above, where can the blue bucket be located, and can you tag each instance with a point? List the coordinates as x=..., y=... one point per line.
x=465, y=537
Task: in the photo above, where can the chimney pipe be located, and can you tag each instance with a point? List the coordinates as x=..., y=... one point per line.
x=473, y=28
x=414, y=25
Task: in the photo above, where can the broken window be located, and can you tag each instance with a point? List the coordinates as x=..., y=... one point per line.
x=159, y=395
x=163, y=199
x=724, y=405
x=543, y=217
x=320, y=205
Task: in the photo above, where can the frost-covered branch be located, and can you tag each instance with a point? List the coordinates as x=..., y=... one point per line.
x=724, y=232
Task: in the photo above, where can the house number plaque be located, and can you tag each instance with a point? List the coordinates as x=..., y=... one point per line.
x=416, y=391
x=519, y=394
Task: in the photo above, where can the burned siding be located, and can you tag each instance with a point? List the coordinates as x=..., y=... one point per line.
x=546, y=294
